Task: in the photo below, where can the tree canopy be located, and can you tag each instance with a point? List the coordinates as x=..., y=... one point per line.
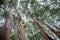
x=44, y=11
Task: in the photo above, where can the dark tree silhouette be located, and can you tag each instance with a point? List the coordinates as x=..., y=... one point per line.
x=1, y=2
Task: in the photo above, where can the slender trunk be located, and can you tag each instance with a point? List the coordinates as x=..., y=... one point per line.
x=44, y=34
x=57, y=32
x=22, y=33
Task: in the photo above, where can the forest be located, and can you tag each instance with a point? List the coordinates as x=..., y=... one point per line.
x=29, y=19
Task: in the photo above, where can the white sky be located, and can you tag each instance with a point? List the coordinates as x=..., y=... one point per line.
x=39, y=0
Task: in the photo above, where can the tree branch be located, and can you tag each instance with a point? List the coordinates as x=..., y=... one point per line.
x=44, y=34
x=57, y=32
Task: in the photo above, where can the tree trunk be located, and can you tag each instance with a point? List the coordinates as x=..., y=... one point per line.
x=44, y=34
x=22, y=33
x=5, y=29
x=57, y=32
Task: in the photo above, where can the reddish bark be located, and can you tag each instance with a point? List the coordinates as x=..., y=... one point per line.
x=22, y=33
x=57, y=32
x=44, y=34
